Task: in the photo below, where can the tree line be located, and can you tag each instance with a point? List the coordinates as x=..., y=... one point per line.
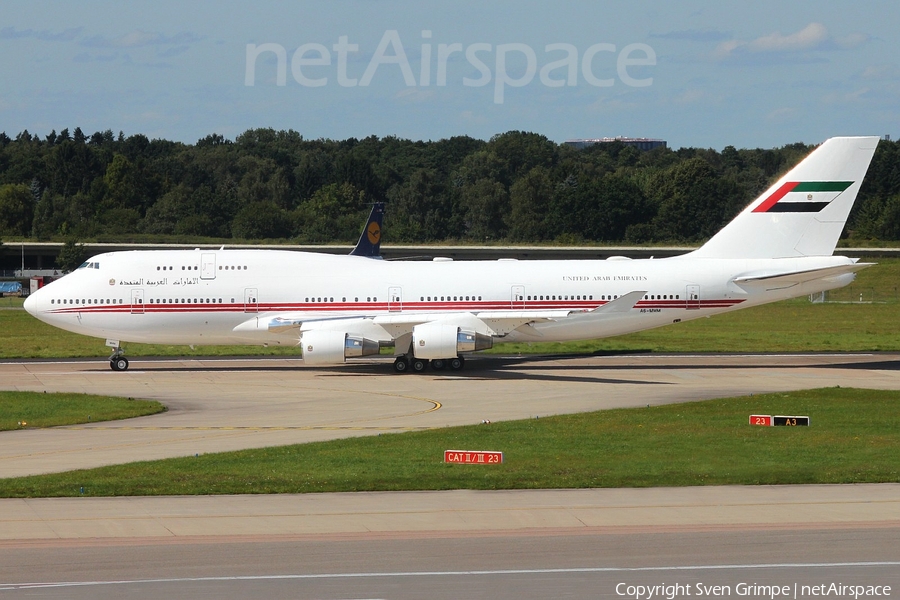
x=276, y=185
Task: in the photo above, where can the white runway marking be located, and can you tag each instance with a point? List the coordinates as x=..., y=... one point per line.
x=66, y=584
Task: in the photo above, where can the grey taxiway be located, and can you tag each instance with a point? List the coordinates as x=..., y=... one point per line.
x=523, y=544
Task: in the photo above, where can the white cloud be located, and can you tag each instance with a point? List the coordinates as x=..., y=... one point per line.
x=851, y=97
x=808, y=38
x=66, y=35
x=813, y=37
x=881, y=72
x=853, y=40
x=689, y=97
x=139, y=37
x=782, y=114
x=414, y=95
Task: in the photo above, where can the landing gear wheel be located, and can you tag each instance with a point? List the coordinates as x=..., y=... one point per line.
x=456, y=364
x=418, y=365
x=401, y=365
x=438, y=364
x=119, y=363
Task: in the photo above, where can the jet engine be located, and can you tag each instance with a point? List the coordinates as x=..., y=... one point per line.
x=332, y=347
x=441, y=340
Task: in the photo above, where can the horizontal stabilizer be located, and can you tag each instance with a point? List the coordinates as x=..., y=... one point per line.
x=780, y=279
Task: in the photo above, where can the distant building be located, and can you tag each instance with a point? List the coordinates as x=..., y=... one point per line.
x=639, y=143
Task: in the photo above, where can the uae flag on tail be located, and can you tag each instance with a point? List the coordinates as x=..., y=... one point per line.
x=802, y=196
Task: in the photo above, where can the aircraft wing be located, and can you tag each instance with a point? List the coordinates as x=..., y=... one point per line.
x=492, y=322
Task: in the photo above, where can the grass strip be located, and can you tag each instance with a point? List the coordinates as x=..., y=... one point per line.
x=37, y=410
x=854, y=438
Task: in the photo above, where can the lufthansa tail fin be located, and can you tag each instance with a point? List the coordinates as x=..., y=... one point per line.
x=369, y=244
x=804, y=213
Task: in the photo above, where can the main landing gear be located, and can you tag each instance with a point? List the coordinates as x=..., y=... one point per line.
x=118, y=362
x=406, y=363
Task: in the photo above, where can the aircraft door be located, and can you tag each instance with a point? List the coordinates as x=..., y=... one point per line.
x=137, y=301
x=251, y=300
x=208, y=266
x=395, y=299
x=692, y=295
x=517, y=296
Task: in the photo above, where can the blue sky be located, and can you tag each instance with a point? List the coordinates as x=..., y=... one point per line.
x=748, y=74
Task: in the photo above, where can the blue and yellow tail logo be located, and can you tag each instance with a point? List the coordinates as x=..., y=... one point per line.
x=373, y=232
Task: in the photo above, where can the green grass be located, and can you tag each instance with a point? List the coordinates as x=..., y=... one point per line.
x=854, y=438
x=11, y=302
x=37, y=410
x=790, y=326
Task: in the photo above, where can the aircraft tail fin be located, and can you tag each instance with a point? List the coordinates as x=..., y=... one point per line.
x=369, y=244
x=804, y=213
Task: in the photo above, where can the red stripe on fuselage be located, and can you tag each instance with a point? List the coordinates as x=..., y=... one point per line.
x=342, y=307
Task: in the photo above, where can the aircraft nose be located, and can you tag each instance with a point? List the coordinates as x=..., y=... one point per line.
x=36, y=303
x=31, y=304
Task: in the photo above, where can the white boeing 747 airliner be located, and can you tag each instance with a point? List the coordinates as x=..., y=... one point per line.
x=335, y=307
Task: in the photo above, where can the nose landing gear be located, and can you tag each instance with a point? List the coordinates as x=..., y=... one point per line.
x=117, y=360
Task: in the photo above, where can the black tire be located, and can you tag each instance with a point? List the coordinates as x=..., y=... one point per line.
x=119, y=363
x=401, y=365
x=418, y=365
x=456, y=364
x=438, y=364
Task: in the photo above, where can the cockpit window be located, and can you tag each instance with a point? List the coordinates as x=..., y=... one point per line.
x=83, y=265
x=89, y=265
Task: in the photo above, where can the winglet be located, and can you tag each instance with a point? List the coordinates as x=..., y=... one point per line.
x=369, y=244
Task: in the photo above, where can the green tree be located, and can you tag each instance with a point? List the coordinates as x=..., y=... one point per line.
x=484, y=204
x=600, y=210
x=261, y=220
x=334, y=213
x=121, y=183
x=529, y=199
x=420, y=209
x=16, y=209
x=693, y=203
x=523, y=151
x=71, y=256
